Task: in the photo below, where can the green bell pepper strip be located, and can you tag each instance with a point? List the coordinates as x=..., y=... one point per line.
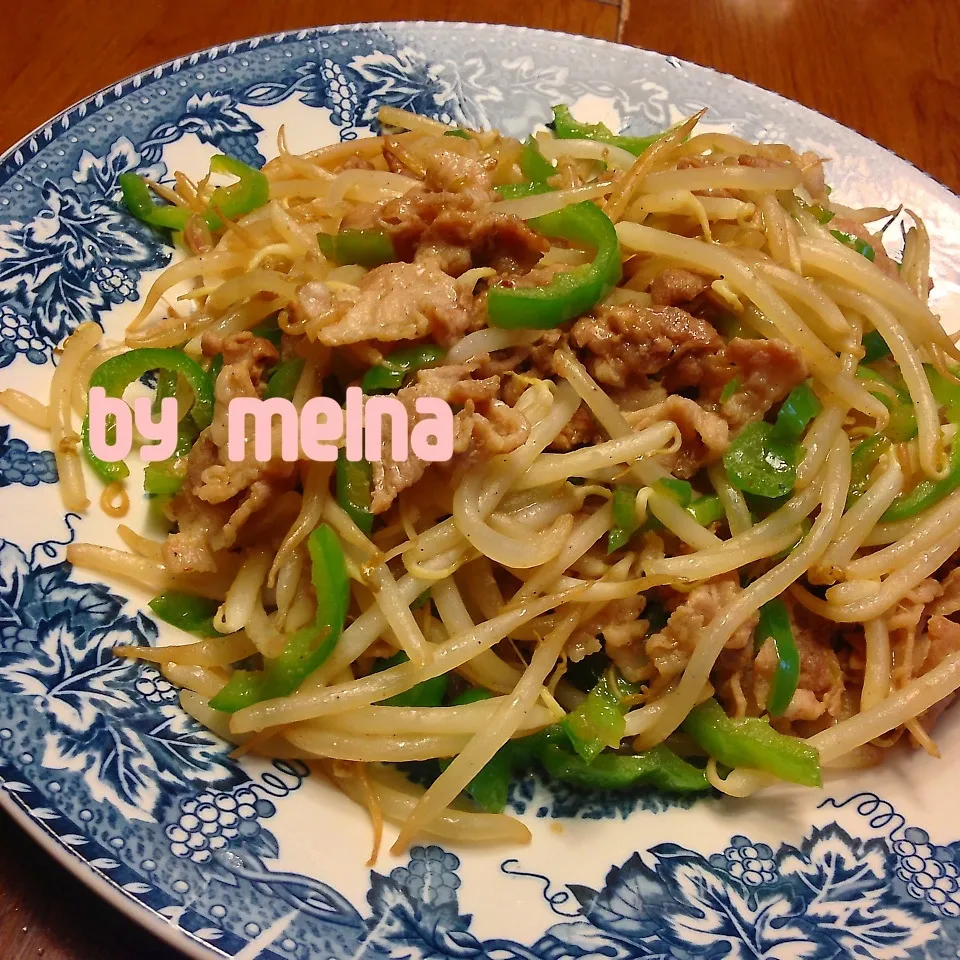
x=945, y=391
x=751, y=742
x=310, y=646
x=536, y=168
x=677, y=490
x=353, y=490
x=397, y=366
x=903, y=419
x=117, y=373
x=268, y=330
x=139, y=201
x=533, y=164
x=252, y=190
x=730, y=389
x=660, y=767
x=166, y=387
x=164, y=477
x=866, y=455
x=775, y=624
x=368, y=248
x=186, y=611
x=216, y=365
x=800, y=407
x=822, y=215
x=875, y=347
x=462, y=134
x=707, y=510
x=283, y=381
x=927, y=493
x=569, y=294
x=422, y=600
x=491, y=786
x=514, y=191
x=598, y=722
x=565, y=127
x=625, y=523
x=855, y=243
x=759, y=462
x=428, y=693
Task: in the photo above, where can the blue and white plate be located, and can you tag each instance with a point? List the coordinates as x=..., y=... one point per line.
x=258, y=860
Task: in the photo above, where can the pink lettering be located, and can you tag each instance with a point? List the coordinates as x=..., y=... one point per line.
x=321, y=421
x=354, y=424
x=101, y=407
x=373, y=413
x=262, y=412
x=432, y=437
x=164, y=430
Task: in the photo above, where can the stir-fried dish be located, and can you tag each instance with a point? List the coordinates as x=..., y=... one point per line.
x=700, y=529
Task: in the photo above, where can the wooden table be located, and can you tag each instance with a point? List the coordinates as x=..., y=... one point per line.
x=887, y=68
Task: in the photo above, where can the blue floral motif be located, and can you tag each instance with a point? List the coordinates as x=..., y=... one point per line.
x=407, y=79
x=415, y=911
x=930, y=873
x=20, y=464
x=754, y=865
x=74, y=259
x=831, y=897
x=321, y=83
x=209, y=822
x=111, y=721
x=216, y=118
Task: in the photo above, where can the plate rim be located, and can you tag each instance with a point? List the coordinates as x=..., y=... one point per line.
x=96, y=882
x=139, y=913
x=233, y=46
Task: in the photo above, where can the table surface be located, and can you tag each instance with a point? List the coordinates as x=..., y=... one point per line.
x=886, y=68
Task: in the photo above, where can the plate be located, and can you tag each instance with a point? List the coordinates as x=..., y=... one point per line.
x=257, y=859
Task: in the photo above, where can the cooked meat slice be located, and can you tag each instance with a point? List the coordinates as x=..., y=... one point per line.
x=581, y=429
x=450, y=258
x=759, y=161
x=407, y=218
x=948, y=601
x=619, y=626
x=189, y=550
x=619, y=343
x=943, y=639
x=765, y=371
x=820, y=688
x=398, y=301
x=315, y=303
x=245, y=359
x=500, y=240
x=484, y=427
x=704, y=435
x=675, y=286
x=623, y=631
x=544, y=351
x=670, y=649
x=459, y=168
x=218, y=494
